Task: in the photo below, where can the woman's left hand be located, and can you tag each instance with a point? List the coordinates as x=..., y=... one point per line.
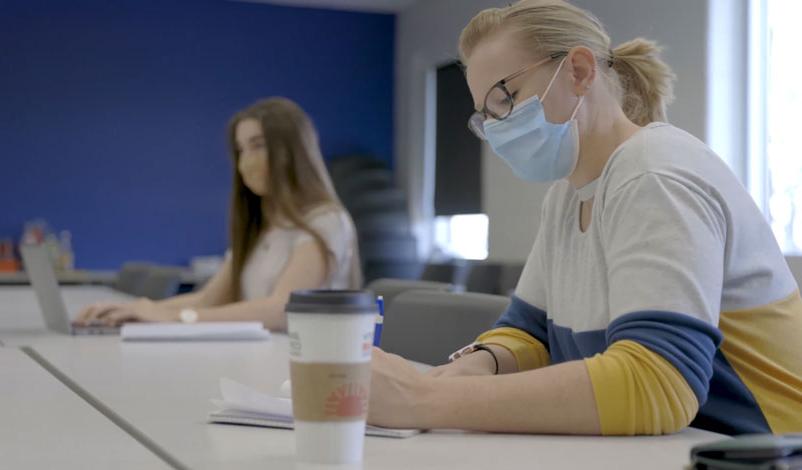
x=397, y=392
x=142, y=310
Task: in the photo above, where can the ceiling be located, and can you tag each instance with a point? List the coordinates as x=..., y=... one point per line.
x=381, y=6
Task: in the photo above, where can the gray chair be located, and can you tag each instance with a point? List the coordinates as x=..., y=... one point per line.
x=131, y=276
x=161, y=282
x=426, y=326
x=391, y=288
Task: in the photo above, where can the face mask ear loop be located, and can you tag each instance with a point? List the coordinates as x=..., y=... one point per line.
x=553, y=78
x=576, y=109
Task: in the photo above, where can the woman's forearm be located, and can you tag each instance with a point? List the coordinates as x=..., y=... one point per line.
x=189, y=300
x=552, y=400
x=269, y=311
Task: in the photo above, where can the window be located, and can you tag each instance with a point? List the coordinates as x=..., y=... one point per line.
x=460, y=228
x=462, y=236
x=458, y=167
x=775, y=167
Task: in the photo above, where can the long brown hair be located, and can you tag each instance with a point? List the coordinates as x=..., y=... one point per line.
x=297, y=183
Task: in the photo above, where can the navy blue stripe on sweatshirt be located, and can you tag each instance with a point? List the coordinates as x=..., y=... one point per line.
x=526, y=317
x=731, y=408
x=689, y=344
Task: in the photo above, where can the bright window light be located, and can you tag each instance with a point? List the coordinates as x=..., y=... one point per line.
x=779, y=152
x=462, y=236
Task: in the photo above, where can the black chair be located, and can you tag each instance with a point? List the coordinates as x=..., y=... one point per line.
x=390, y=255
x=392, y=247
x=382, y=223
x=380, y=269
x=453, y=272
x=342, y=167
x=508, y=281
x=382, y=200
x=354, y=188
x=379, y=209
x=484, y=278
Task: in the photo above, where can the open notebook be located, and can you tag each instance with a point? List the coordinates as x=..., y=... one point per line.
x=241, y=404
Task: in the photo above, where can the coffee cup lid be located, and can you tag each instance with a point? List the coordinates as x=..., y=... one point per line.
x=332, y=301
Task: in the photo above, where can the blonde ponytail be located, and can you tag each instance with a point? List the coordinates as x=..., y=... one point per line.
x=646, y=82
x=634, y=73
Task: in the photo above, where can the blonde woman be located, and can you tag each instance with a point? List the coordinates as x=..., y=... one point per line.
x=288, y=228
x=655, y=296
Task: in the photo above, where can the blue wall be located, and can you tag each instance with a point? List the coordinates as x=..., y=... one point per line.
x=112, y=113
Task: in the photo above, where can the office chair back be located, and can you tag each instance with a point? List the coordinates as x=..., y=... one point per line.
x=391, y=288
x=131, y=276
x=426, y=325
x=161, y=282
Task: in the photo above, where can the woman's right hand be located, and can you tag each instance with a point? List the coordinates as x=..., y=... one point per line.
x=479, y=362
x=93, y=313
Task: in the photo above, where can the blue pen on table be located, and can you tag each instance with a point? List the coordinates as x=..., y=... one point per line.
x=377, y=330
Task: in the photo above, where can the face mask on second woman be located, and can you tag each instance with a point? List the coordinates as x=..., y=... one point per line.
x=535, y=149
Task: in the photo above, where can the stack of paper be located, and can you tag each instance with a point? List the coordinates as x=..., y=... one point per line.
x=207, y=331
x=243, y=405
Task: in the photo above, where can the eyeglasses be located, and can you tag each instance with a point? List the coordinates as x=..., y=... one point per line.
x=499, y=101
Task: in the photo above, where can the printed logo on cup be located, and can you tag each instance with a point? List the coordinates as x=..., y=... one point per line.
x=332, y=392
x=348, y=401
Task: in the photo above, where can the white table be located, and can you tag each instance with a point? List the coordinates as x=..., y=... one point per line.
x=45, y=425
x=162, y=390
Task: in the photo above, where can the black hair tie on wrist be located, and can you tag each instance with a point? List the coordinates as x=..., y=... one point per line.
x=482, y=347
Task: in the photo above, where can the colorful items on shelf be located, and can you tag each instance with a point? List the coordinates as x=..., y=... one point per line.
x=37, y=232
x=8, y=262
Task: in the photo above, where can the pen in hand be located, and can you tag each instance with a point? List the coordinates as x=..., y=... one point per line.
x=377, y=331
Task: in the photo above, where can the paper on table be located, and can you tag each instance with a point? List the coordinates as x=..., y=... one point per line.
x=241, y=404
x=207, y=331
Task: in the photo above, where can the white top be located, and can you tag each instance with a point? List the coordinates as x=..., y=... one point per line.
x=271, y=253
x=667, y=215
x=676, y=257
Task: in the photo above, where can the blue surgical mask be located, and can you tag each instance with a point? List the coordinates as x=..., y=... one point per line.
x=535, y=149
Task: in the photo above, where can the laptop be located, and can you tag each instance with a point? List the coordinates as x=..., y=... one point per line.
x=43, y=279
